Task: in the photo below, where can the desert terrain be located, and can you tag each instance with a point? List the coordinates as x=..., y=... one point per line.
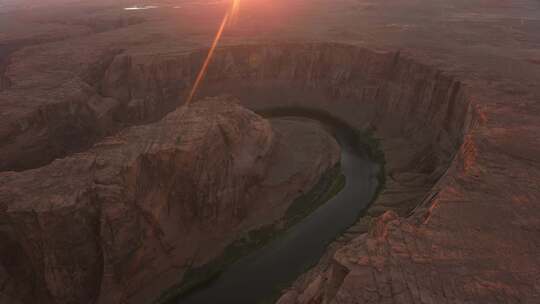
x=113, y=189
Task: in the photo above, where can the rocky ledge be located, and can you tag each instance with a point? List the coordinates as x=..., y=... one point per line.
x=125, y=219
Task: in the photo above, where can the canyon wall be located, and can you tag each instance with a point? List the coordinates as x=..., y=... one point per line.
x=379, y=91
x=419, y=113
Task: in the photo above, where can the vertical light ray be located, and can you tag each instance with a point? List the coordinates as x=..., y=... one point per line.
x=234, y=11
x=227, y=19
x=204, y=67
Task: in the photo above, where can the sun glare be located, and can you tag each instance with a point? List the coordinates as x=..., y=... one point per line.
x=230, y=18
x=235, y=7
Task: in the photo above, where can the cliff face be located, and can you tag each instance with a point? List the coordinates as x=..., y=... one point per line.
x=385, y=92
x=396, y=96
x=4, y=54
x=123, y=220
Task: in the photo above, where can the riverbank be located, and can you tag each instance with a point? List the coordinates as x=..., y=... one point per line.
x=330, y=183
x=286, y=253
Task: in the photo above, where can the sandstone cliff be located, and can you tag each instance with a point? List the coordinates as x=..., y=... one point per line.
x=395, y=96
x=122, y=221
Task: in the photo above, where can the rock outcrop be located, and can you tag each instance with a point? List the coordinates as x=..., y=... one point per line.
x=122, y=221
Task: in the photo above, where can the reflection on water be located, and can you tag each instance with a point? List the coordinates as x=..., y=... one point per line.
x=179, y=4
x=143, y=7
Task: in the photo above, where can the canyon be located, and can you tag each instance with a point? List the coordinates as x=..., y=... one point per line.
x=112, y=188
x=125, y=219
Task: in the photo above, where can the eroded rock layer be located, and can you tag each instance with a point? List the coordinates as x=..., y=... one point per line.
x=122, y=221
x=115, y=88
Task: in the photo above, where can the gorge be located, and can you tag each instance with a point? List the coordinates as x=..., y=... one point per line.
x=132, y=238
x=335, y=152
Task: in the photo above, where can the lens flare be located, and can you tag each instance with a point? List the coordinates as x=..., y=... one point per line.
x=204, y=67
x=235, y=8
x=228, y=19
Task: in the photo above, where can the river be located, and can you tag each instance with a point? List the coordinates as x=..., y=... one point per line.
x=260, y=275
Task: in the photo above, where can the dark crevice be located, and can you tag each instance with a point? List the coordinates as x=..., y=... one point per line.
x=5, y=53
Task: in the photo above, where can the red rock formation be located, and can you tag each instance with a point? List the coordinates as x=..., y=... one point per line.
x=395, y=96
x=123, y=220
